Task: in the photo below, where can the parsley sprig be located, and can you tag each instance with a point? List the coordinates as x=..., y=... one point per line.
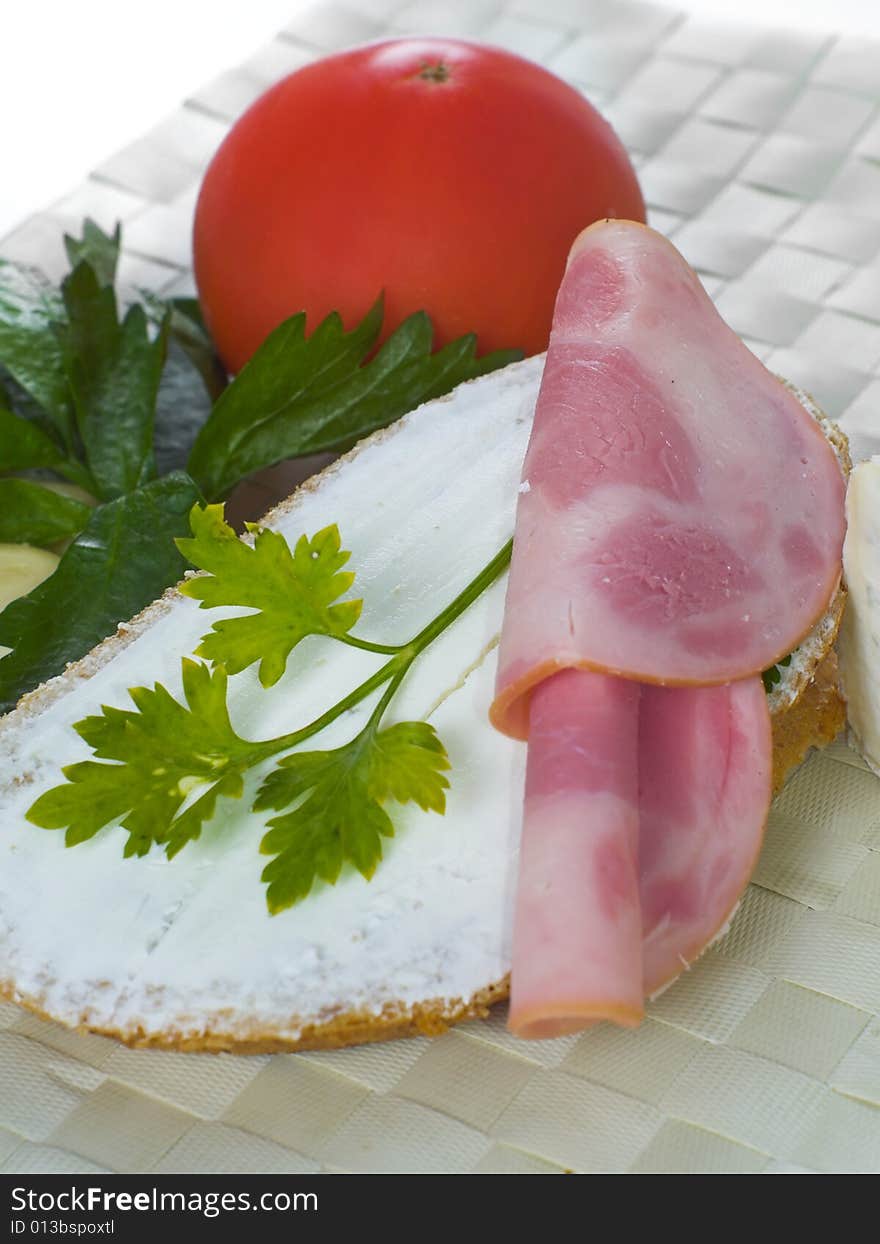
x=292, y=591
x=160, y=767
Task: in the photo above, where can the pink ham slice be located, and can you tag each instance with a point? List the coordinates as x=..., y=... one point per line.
x=577, y=937
x=683, y=519
x=680, y=527
x=705, y=775
x=589, y=941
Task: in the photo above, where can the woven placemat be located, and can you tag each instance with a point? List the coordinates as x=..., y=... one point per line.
x=759, y=153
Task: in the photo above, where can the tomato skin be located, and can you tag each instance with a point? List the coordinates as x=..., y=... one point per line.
x=457, y=190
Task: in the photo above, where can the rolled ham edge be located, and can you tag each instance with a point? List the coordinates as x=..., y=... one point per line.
x=577, y=940
x=703, y=760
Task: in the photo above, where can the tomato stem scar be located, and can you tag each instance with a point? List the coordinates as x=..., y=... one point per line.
x=436, y=72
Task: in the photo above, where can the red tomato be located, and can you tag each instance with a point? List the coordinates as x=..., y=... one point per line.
x=451, y=175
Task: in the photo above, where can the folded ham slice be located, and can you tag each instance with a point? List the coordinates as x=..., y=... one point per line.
x=683, y=520
x=679, y=529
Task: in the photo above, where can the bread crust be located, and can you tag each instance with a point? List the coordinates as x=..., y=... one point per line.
x=814, y=719
x=812, y=715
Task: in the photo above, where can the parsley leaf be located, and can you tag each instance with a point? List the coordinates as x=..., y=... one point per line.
x=32, y=514
x=124, y=557
x=163, y=750
x=171, y=762
x=113, y=369
x=341, y=819
x=293, y=591
x=304, y=395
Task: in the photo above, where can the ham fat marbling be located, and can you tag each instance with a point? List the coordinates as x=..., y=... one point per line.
x=684, y=517
x=679, y=529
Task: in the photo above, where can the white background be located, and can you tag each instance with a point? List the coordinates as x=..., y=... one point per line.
x=80, y=78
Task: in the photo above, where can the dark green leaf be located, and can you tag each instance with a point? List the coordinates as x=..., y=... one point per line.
x=191, y=309
x=114, y=371
x=401, y=376
x=29, y=348
x=302, y=395
x=186, y=327
x=98, y=249
x=182, y=406
x=32, y=514
x=288, y=369
x=189, y=331
x=773, y=676
x=23, y=444
x=21, y=403
x=123, y=559
x=16, y=442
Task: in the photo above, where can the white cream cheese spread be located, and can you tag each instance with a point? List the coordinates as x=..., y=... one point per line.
x=144, y=945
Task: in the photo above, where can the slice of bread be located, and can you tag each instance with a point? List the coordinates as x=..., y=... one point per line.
x=183, y=955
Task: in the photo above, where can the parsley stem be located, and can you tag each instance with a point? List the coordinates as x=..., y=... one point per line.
x=395, y=670
x=390, y=692
x=387, y=650
x=371, y=684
